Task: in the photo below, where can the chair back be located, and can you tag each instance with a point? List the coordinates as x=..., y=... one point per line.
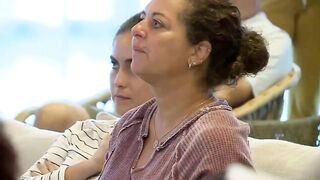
x=268, y=104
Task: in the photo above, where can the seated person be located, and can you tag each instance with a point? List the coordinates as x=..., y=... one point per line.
x=82, y=140
x=279, y=64
x=183, y=49
x=280, y=60
x=59, y=116
x=188, y=80
x=8, y=165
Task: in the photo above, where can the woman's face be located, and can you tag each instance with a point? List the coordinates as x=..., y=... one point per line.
x=127, y=89
x=160, y=46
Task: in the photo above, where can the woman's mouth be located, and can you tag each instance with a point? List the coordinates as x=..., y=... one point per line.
x=120, y=98
x=138, y=49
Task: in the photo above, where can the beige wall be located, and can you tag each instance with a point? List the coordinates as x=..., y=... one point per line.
x=302, y=22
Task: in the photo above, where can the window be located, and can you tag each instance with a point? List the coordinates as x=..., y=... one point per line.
x=53, y=50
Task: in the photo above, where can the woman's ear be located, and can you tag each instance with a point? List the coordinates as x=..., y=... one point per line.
x=200, y=54
x=202, y=51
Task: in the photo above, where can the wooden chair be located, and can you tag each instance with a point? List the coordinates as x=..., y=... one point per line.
x=25, y=114
x=268, y=104
x=91, y=105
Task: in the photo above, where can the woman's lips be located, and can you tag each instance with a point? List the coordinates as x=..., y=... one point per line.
x=121, y=98
x=138, y=49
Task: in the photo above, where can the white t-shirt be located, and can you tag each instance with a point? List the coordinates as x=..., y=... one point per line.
x=280, y=50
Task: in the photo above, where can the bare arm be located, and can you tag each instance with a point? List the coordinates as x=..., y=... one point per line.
x=90, y=167
x=56, y=153
x=81, y=159
x=82, y=170
x=237, y=94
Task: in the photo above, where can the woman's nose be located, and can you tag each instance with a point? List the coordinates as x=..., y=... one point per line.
x=138, y=31
x=121, y=79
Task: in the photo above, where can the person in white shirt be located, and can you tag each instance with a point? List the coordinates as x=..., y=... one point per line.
x=81, y=141
x=280, y=61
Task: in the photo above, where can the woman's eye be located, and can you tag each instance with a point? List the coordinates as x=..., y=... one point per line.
x=115, y=65
x=156, y=24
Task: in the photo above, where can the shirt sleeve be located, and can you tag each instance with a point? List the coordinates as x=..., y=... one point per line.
x=210, y=150
x=56, y=154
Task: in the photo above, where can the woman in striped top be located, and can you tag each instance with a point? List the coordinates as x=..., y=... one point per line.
x=81, y=141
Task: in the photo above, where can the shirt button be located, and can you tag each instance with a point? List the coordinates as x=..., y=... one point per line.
x=184, y=133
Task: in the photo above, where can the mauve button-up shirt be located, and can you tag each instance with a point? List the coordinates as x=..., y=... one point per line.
x=207, y=142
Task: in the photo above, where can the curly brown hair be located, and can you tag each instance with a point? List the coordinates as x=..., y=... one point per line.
x=236, y=51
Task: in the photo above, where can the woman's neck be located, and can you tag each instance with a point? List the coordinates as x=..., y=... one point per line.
x=176, y=103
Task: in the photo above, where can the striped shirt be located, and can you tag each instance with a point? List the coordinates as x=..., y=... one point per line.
x=206, y=143
x=76, y=144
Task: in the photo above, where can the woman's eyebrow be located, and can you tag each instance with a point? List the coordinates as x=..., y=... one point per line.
x=143, y=13
x=158, y=14
x=113, y=58
x=129, y=60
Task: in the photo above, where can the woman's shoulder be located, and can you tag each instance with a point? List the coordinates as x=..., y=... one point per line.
x=228, y=130
x=218, y=115
x=100, y=126
x=218, y=124
x=216, y=136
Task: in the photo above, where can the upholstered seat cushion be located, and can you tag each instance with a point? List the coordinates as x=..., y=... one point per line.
x=29, y=142
x=276, y=157
x=285, y=159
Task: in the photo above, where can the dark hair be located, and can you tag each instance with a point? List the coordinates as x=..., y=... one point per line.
x=129, y=23
x=235, y=52
x=8, y=165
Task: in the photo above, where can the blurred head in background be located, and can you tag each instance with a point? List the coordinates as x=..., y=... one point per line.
x=59, y=116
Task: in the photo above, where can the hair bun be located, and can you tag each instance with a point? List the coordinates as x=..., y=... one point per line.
x=253, y=55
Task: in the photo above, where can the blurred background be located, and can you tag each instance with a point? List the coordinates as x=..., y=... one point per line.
x=56, y=50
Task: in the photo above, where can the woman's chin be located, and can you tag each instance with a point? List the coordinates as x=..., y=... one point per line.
x=120, y=111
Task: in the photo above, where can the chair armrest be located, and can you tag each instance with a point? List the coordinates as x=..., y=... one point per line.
x=269, y=94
